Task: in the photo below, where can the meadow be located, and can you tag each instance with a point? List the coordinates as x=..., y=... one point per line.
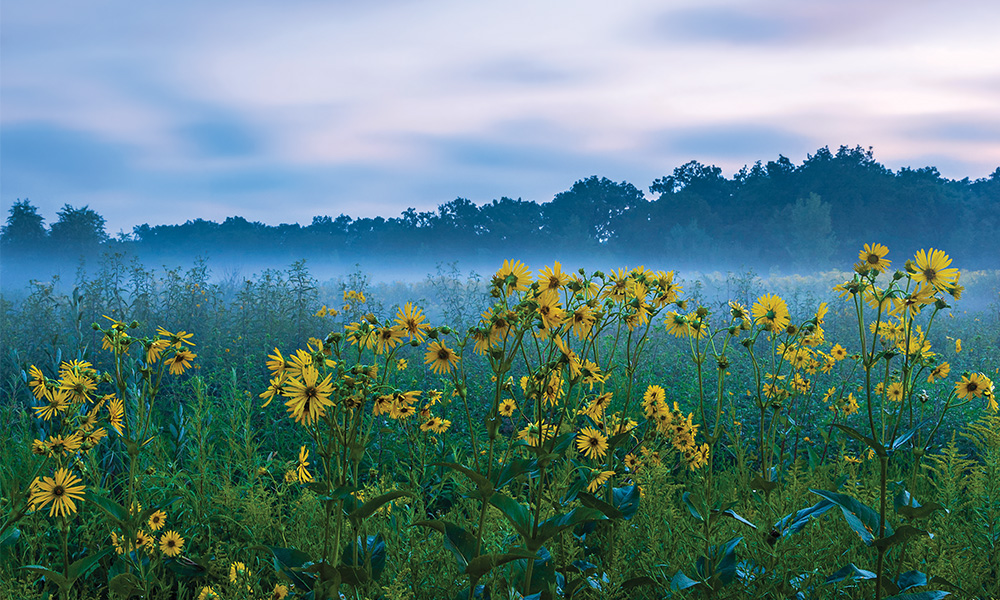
x=546, y=433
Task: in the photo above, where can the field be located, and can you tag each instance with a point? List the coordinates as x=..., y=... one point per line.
x=543, y=433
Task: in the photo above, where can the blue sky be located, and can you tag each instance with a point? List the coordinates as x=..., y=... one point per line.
x=279, y=111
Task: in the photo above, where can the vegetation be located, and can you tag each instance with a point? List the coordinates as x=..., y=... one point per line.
x=553, y=434
x=696, y=217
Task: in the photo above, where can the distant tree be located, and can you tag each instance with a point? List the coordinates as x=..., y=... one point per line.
x=78, y=230
x=805, y=230
x=592, y=208
x=25, y=228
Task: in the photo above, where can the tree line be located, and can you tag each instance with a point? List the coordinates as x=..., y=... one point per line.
x=777, y=213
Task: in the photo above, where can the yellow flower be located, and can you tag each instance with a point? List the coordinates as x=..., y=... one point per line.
x=275, y=388
x=180, y=361
x=155, y=349
x=600, y=479
x=177, y=339
x=591, y=443
x=37, y=383
x=208, y=593
x=60, y=491
x=972, y=386
x=58, y=403
x=301, y=471
x=550, y=310
x=116, y=414
x=931, y=269
x=171, y=543
x=939, y=372
x=552, y=278
x=874, y=257
x=387, y=338
x=276, y=362
x=412, y=322
x=771, y=312
x=157, y=520
x=440, y=358
x=279, y=592
x=958, y=346
x=401, y=364
x=507, y=407
x=237, y=571
x=536, y=433
x=77, y=385
x=308, y=398
x=512, y=277
x=895, y=391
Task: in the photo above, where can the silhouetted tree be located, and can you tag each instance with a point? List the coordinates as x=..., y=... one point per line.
x=25, y=229
x=78, y=231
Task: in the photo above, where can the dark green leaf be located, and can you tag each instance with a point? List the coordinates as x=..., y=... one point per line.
x=729, y=512
x=460, y=542
x=686, y=498
x=759, y=483
x=371, y=547
x=484, y=485
x=513, y=468
x=114, y=510
x=591, y=501
x=854, y=433
x=55, y=577
x=850, y=572
x=626, y=499
x=794, y=522
x=552, y=526
x=902, y=533
x=637, y=582
x=290, y=563
x=682, y=582
x=10, y=537
x=368, y=508
x=920, y=512
x=125, y=585
x=185, y=567
x=515, y=512
x=862, y=518
x=911, y=579
x=84, y=565
x=481, y=565
x=920, y=596
x=905, y=436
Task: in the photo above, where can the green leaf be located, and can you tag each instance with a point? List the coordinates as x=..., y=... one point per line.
x=682, y=582
x=937, y=595
x=686, y=498
x=484, y=485
x=515, y=512
x=552, y=526
x=921, y=512
x=759, y=483
x=905, y=436
x=10, y=537
x=125, y=585
x=637, y=582
x=513, y=468
x=481, y=565
x=368, y=508
x=911, y=579
x=903, y=533
x=114, y=510
x=591, y=501
x=290, y=563
x=796, y=521
x=854, y=433
x=862, y=518
x=84, y=565
x=55, y=577
x=460, y=542
x=850, y=572
x=730, y=513
x=626, y=499
x=185, y=567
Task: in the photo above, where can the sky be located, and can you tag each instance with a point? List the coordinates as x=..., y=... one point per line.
x=279, y=111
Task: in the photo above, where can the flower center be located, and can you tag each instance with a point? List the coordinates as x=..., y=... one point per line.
x=58, y=491
x=873, y=259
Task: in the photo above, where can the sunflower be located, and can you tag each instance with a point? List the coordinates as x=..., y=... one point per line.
x=116, y=414
x=874, y=257
x=838, y=353
x=60, y=490
x=631, y=462
x=275, y=388
x=176, y=339
x=591, y=443
x=237, y=571
x=276, y=362
x=512, y=277
x=308, y=398
x=440, y=357
x=387, y=338
x=552, y=278
x=279, y=592
x=411, y=320
x=931, y=269
x=939, y=372
x=39, y=386
x=772, y=312
x=144, y=541
x=536, y=433
x=402, y=411
x=550, y=310
x=58, y=403
x=599, y=479
x=895, y=391
x=171, y=543
x=77, y=385
x=208, y=593
x=582, y=321
x=157, y=520
x=653, y=396
x=507, y=407
x=180, y=361
x=155, y=349
x=64, y=446
x=301, y=469
x=972, y=386
x=677, y=324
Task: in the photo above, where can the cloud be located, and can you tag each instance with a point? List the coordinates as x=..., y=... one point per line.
x=730, y=141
